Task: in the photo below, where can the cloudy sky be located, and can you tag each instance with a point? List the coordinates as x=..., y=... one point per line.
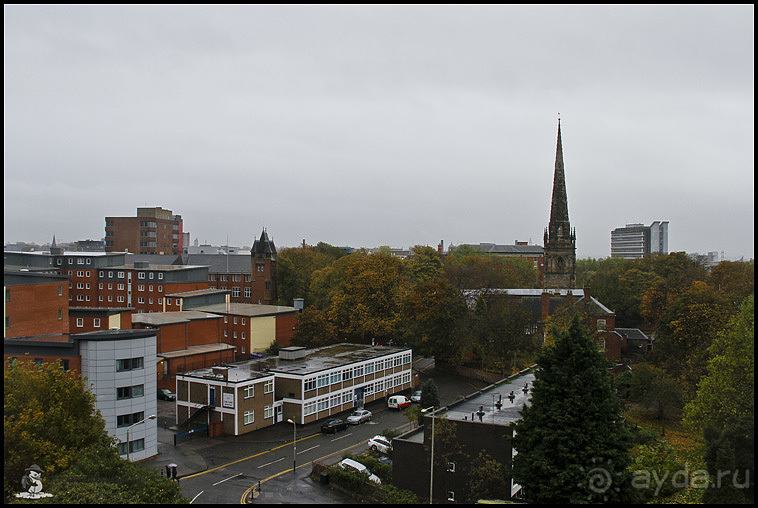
x=381, y=125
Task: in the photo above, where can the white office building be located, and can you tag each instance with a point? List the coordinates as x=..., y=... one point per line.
x=637, y=240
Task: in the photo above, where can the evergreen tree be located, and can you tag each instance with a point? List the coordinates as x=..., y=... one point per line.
x=571, y=445
x=429, y=396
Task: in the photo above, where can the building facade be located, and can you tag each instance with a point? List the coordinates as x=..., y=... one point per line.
x=637, y=240
x=119, y=367
x=35, y=304
x=299, y=384
x=152, y=231
x=560, y=240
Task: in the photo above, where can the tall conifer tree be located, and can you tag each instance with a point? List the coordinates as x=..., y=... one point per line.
x=571, y=445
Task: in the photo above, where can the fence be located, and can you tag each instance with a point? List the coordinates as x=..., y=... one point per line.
x=188, y=435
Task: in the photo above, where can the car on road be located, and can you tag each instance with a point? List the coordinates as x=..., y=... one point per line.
x=398, y=402
x=359, y=416
x=416, y=396
x=380, y=444
x=166, y=394
x=333, y=425
x=352, y=465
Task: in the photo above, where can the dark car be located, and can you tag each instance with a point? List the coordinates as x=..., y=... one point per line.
x=332, y=426
x=166, y=394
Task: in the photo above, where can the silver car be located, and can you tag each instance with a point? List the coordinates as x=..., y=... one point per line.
x=358, y=416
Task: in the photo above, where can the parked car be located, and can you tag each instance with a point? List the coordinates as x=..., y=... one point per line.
x=166, y=394
x=359, y=416
x=385, y=460
x=333, y=425
x=398, y=402
x=416, y=396
x=380, y=443
x=352, y=465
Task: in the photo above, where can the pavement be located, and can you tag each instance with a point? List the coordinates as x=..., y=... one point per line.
x=286, y=488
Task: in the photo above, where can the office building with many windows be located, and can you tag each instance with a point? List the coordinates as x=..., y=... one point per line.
x=637, y=240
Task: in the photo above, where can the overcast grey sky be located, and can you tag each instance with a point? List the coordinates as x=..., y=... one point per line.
x=381, y=125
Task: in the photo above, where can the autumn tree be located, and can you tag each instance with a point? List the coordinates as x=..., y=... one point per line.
x=656, y=390
x=686, y=329
x=365, y=303
x=313, y=329
x=488, y=479
x=48, y=418
x=734, y=279
x=727, y=392
x=572, y=426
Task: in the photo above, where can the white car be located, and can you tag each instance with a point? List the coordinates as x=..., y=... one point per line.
x=380, y=443
x=358, y=416
x=352, y=465
x=416, y=397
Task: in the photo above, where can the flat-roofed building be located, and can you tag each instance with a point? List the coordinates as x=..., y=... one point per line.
x=637, y=240
x=304, y=385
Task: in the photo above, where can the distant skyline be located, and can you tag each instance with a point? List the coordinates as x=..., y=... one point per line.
x=371, y=125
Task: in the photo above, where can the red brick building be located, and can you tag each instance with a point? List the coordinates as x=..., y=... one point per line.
x=35, y=303
x=152, y=231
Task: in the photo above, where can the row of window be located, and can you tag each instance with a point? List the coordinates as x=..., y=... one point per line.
x=248, y=417
x=349, y=373
x=223, y=277
x=249, y=391
x=330, y=401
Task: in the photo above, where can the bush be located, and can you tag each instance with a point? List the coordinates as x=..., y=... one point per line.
x=392, y=495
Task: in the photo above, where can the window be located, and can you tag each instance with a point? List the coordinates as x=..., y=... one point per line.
x=110, y=286
x=110, y=275
x=168, y=301
x=248, y=293
x=151, y=276
x=322, y=404
x=235, y=320
x=79, y=322
x=60, y=314
x=60, y=289
x=451, y=467
x=160, y=289
x=101, y=273
x=120, y=275
x=140, y=275
x=268, y=386
x=249, y=391
x=334, y=400
x=249, y=417
x=268, y=412
x=336, y=377
x=96, y=322
x=358, y=371
x=150, y=287
x=347, y=374
x=120, y=287
x=140, y=300
x=160, y=276
x=79, y=261
x=368, y=368
x=79, y=285
x=601, y=324
x=243, y=321
x=451, y=496
x=100, y=285
x=322, y=380
x=120, y=299
x=130, y=392
x=129, y=364
x=134, y=446
x=86, y=274
x=80, y=273
x=309, y=408
x=129, y=419
x=347, y=397
x=140, y=287
x=160, y=301
x=243, y=335
x=110, y=298
x=86, y=285
x=310, y=384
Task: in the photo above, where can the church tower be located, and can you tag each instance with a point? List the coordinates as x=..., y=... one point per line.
x=560, y=240
x=263, y=270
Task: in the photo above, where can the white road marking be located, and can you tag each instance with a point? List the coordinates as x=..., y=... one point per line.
x=338, y=438
x=309, y=449
x=193, y=499
x=269, y=463
x=222, y=481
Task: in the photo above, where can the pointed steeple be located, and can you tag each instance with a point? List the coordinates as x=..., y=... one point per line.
x=54, y=249
x=264, y=248
x=560, y=240
x=559, y=216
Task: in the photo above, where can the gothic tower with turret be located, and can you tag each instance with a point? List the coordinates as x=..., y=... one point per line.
x=263, y=270
x=560, y=240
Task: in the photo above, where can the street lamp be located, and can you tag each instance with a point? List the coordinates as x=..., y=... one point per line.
x=294, y=445
x=128, y=444
x=431, y=468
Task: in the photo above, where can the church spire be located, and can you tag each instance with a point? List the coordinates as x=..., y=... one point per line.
x=560, y=240
x=559, y=217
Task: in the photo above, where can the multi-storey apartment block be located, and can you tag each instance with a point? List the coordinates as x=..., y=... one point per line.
x=638, y=240
x=152, y=231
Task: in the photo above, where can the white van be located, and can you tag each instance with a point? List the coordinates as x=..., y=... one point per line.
x=398, y=402
x=352, y=465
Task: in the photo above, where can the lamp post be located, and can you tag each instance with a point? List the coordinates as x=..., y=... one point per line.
x=128, y=444
x=294, y=445
x=431, y=468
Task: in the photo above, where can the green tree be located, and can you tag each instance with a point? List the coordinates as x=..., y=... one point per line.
x=48, y=418
x=429, y=395
x=730, y=460
x=656, y=460
x=734, y=279
x=655, y=390
x=727, y=392
x=686, y=329
x=313, y=329
x=572, y=426
x=488, y=479
x=365, y=304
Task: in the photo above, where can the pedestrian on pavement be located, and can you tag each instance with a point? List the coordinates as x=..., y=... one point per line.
x=168, y=471
x=173, y=474
x=511, y=396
